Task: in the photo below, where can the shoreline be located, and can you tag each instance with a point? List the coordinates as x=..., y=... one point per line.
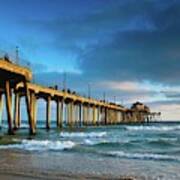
x=19, y=165
x=8, y=174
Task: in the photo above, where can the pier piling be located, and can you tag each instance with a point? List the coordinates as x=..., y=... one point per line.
x=1, y=108
x=17, y=111
x=34, y=109
x=8, y=96
x=32, y=130
x=62, y=113
x=58, y=113
x=48, y=112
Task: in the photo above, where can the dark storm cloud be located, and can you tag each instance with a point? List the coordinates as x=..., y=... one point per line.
x=122, y=40
x=171, y=94
x=150, y=52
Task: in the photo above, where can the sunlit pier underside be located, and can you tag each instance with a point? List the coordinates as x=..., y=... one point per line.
x=72, y=110
x=13, y=73
x=10, y=75
x=78, y=110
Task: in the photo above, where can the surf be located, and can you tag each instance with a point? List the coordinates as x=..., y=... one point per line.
x=40, y=145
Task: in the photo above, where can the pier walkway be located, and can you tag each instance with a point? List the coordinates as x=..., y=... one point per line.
x=76, y=109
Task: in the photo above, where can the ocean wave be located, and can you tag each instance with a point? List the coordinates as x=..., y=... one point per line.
x=169, y=140
x=90, y=142
x=95, y=142
x=83, y=134
x=105, y=142
x=152, y=128
x=142, y=156
x=23, y=126
x=40, y=145
x=130, y=142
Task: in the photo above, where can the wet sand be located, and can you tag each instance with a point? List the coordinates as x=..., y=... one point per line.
x=17, y=165
x=60, y=177
x=10, y=174
x=28, y=166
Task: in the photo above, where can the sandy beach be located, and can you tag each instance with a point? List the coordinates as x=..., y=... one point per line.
x=13, y=176
x=28, y=166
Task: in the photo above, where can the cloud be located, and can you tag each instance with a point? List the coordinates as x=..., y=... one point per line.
x=124, y=40
x=169, y=112
x=124, y=86
x=131, y=86
x=116, y=46
x=172, y=94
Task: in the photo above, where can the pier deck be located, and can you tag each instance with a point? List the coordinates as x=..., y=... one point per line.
x=43, y=92
x=13, y=73
x=77, y=110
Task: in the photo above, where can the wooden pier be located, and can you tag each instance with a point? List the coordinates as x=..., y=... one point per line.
x=75, y=109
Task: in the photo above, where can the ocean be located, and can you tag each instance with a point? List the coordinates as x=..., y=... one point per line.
x=142, y=151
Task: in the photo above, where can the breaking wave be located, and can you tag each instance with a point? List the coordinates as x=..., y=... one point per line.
x=95, y=142
x=152, y=128
x=142, y=156
x=83, y=134
x=40, y=145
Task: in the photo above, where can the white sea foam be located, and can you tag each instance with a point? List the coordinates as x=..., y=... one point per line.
x=23, y=126
x=152, y=128
x=90, y=142
x=40, y=145
x=94, y=142
x=161, y=139
x=142, y=156
x=83, y=134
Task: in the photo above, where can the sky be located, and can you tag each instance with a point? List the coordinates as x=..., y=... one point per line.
x=128, y=49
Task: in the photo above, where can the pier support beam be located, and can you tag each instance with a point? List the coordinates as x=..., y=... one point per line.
x=48, y=112
x=116, y=117
x=84, y=118
x=68, y=117
x=34, y=109
x=1, y=109
x=119, y=117
x=8, y=95
x=32, y=130
x=80, y=114
x=83, y=115
x=77, y=117
x=71, y=114
x=94, y=116
x=98, y=115
x=62, y=112
x=88, y=114
x=105, y=116
x=76, y=114
x=59, y=113
x=17, y=112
